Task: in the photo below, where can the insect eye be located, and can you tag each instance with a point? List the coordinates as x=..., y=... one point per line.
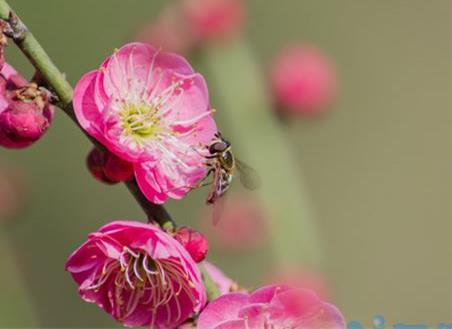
x=217, y=147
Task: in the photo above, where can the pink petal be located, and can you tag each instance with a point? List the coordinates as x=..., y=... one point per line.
x=224, y=308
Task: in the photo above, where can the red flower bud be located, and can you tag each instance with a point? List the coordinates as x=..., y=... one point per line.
x=117, y=169
x=107, y=167
x=25, y=113
x=194, y=242
x=95, y=163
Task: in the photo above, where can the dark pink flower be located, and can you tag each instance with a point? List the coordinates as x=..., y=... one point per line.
x=151, y=109
x=25, y=114
x=303, y=80
x=215, y=19
x=271, y=307
x=138, y=274
x=107, y=167
x=225, y=285
x=194, y=242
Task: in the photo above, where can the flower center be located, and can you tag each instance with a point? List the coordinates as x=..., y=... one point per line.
x=140, y=120
x=137, y=280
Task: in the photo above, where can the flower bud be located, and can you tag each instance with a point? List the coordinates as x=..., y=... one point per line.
x=303, y=80
x=23, y=122
x=107, y=167
x=117, y=169
x=25, y=112
x=193, y=241
x=95, y=163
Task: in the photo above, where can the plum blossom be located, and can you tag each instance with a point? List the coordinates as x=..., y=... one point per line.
x=271, y=307
x=138, y=274
x=214, y=19
x=151, y=109
x=303, y=80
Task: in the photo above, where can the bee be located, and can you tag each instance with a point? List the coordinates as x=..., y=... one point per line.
x=223, y=165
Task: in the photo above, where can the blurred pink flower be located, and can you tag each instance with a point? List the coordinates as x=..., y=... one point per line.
x=242, y=225
x=25, y=113
x=138, y=274
x=303, y=80
x=302, y=278
x=214, y=19
x=193, y=241
x=168, y=31
x=271, y=307
x=225, y=285
x=151, y=109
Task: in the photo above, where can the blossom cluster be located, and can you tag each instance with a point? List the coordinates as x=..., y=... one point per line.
x=149, y=112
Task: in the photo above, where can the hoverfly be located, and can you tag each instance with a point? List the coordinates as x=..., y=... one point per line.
x=223, y=165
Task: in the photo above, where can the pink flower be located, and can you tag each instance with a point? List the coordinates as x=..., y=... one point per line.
x=194, y=242
x=225, y=285
x=151, y=109
x=25, y=114
x=215, y=19
x=138, y=274
x=168, y=31
x=303, y=80
x=242, y=225
x=271, y=307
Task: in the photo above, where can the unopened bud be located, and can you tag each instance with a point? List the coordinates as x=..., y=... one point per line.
x=194, y=242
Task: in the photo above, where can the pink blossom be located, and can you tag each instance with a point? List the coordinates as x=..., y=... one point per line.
x=25, y=114
x=215, y=19
x=271, y=307
x=138, y=274
x=194, y=242
x=169, y=31
x=302, y=278
x=303, y=80
x=151, y=109
x=242, y=225
x=225, y=285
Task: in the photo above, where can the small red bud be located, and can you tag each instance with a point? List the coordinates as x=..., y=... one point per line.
x=95, y=163
x=108, y=168
x=194, y=242
x=117, y=169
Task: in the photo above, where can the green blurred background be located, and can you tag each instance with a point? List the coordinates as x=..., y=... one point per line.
x=376, y=169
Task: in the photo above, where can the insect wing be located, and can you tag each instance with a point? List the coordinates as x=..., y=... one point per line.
x=248, y=176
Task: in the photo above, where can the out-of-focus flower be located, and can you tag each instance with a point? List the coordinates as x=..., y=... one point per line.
x=214, y=19
x=25, y=113
x=271, y=307
x=151, y=109
x=138, y=274
x=12, y=192
x=168, y=31
x=225, y=285
x=303, y=80
x=302, y=278
x=242, y=225
x=193, y=241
